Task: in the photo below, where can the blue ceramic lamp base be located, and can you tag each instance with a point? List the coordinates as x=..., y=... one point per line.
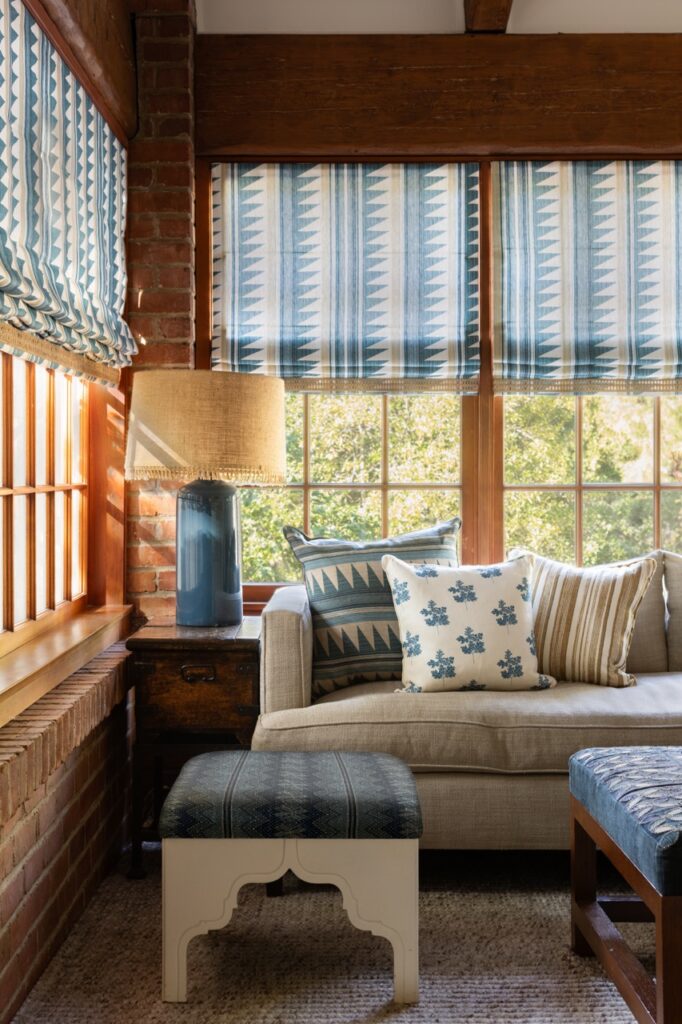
x=209, y=591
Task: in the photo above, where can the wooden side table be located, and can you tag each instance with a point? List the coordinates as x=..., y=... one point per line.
x=196, y=689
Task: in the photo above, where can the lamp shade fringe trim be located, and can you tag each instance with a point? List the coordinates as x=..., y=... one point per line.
x=230, y=474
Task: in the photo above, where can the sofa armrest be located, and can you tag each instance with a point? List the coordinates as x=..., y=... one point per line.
x=286, y=665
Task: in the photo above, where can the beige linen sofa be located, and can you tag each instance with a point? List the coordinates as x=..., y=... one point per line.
x=491, y=767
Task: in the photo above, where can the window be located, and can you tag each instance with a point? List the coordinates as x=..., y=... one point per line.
x=43, y=498
x=593, y=479
x=359, y=466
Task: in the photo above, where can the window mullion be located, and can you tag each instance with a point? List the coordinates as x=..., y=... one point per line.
x=31, y=497
x=657, y=472
x=68, y=502
x=384, y=466
x=306, y=463
x=579, y=480
x=8, y=472
x=50, y=510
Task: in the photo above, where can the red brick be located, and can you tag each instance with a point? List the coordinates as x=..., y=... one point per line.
x=155, y=607
x=165, y=51
x=174, y=175
x=141, y=582
x=151, y=504
x=169, y=102
x=141, y=225
x=167, y=580
x=161, y=151
x=171, y=77
x=140, y=176
x=160, y=200
x=160, y=252
x=11, y=893
x=178, y=227
x=147, y=555
x=166, y=353
x=164, y=27
x=170, y=126
x=151, y=530
x=163, y=300
x=24, y=838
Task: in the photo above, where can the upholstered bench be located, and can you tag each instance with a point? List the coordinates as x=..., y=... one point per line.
x=350, y=820
x=628, y=802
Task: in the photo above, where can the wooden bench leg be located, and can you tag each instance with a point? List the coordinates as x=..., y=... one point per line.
x=583, y=881
x=379, y=880
x=669, y=961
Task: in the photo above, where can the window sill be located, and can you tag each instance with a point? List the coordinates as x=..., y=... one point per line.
x=31, y=671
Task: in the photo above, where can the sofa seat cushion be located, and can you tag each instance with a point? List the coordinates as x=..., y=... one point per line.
x=527, y=731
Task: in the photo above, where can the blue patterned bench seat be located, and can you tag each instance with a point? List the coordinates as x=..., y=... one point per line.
x=635, y=794
x=242, y=794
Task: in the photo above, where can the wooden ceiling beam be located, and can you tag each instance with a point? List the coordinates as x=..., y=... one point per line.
x=487, y=15
x=431, y=96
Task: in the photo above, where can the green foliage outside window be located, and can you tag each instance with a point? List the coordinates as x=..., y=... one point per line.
x=423, y=448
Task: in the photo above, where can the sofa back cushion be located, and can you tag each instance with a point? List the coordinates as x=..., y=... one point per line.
x=585, y=617
x=673, y=582
x=356, y=635
x=648, y=649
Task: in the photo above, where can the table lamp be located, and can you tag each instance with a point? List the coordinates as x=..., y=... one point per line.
x=208, y=427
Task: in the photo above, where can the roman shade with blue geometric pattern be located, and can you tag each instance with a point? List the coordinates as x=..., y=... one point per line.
x=62, y=211
x=588, y=276
x=341, y=275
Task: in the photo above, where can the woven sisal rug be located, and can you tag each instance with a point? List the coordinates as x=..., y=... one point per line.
x=494, y=950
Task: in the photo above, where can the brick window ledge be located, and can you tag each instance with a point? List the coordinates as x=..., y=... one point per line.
x=64, y=780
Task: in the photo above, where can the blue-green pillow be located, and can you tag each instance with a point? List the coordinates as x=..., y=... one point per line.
x=357, y=638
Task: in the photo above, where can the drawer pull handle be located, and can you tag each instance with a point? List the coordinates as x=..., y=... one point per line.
x=198, y=673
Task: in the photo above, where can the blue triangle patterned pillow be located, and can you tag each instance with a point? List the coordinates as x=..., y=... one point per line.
x=356, y=634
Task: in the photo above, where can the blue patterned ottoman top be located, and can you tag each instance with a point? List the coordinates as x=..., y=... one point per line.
x=246, y=794
x=635, y=793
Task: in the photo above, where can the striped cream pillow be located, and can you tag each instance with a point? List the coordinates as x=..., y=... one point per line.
x=584, y=618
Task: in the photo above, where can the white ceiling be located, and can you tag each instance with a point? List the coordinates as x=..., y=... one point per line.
x=370, y=16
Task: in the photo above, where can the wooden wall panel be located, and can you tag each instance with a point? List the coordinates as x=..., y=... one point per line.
x=95, y=39
x=438, y=96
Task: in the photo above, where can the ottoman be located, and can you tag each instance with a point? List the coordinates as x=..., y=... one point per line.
x=351, y=820
x=628, y=802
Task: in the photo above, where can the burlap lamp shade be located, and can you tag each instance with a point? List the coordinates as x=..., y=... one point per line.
x=215, y=427
x=187, y=424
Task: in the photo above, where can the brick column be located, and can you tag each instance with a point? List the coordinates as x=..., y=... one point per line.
x=160, y=263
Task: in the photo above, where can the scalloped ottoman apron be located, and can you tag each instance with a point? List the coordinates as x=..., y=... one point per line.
x=347, y=819
x=628, y=802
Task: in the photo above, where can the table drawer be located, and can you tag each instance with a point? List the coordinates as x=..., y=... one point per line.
x=195, y=691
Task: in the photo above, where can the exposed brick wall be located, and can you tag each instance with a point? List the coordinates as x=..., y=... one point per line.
x=64, y=778
x=160, y=263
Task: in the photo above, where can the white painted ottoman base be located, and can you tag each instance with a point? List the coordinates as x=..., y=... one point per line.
x=379, y=880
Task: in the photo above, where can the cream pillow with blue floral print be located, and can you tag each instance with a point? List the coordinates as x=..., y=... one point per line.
x=467, y=628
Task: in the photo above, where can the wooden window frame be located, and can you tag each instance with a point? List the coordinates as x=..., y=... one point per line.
x=482, y=484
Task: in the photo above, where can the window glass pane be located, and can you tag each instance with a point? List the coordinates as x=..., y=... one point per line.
x=424, y=439
x=76, y=511
x=671, y=520
x=41, y=553
x=59, y=519
x=671, y=439
x=77, y=410
x=541, y=521
x=352, y=515
x=19, y=422
x=266, y=555
x=60, y=426
x=42, y=381
x=617, y=524
x=618, y=439
x=345, y=438
x=294, y=429
x=19, y=568
x=539, y=439
x=415, y=510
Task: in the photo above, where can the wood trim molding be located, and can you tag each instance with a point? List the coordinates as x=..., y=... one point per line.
x=102, y=59
x=33, y=670
x=487, y=15
x=438, y=96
